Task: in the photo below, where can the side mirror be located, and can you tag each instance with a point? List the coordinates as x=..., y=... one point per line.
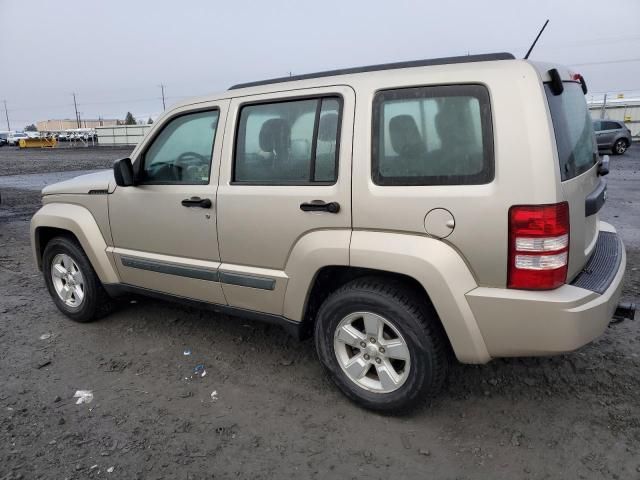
x=123, y=173
x=603, y=165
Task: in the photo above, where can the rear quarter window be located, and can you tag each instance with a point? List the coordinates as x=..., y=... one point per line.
x=573, y=129
x=437, y=135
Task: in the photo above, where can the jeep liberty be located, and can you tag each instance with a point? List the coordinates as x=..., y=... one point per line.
x=399, y=214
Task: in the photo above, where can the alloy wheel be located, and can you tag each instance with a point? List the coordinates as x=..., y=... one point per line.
x=68, y=280
x=371, y=352
x=620, y=147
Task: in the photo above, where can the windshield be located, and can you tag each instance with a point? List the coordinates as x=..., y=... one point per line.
x=573, y=128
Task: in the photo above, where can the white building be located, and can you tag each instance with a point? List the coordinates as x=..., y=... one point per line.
x=121, y=134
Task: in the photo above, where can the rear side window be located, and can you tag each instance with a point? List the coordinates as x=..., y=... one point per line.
x=292, y=142
x=575, y=140
x=439, y=135
x=610, y=126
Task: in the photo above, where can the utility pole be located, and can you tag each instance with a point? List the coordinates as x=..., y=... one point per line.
x=164, y=107
x=76, y=107
x=604, y=106
x=6, y=113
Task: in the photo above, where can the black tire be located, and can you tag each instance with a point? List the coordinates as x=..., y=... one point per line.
x=96, y=302
x=620, y=146
x=413, y=317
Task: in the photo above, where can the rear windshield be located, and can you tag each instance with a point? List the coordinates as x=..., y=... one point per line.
x=573, y=127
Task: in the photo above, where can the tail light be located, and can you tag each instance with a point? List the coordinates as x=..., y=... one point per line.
x=538, y=246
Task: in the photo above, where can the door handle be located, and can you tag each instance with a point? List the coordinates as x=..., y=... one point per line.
x=197, y=202
x=320, y=206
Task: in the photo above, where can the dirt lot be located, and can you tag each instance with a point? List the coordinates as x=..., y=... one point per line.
x=275, y=414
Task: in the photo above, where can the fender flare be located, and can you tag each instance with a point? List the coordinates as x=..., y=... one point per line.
x=312, y=252
x=80, y=222
x=440, y=270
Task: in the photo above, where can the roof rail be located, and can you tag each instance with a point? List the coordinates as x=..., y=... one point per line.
x=485, y=57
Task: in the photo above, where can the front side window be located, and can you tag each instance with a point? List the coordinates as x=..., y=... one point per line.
x=439, y=135
x=292, y=142
x=181, y=153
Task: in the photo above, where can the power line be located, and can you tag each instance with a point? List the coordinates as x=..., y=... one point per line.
x=626, y=60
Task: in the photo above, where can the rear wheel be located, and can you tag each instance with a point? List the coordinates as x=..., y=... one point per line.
x=381, y=344
x=620, y=146
x=72, y=283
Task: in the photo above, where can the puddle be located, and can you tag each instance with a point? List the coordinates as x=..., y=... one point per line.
x=37, y=181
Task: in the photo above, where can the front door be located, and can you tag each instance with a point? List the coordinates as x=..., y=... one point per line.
x=164, y=228
x=285, y=174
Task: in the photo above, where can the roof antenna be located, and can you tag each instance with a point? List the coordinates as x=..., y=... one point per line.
x=536, y=40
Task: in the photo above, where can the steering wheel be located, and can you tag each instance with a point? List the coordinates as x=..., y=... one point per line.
x=191, y=165
x=191, y=158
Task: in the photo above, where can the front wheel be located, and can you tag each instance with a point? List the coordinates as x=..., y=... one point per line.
x=72, y=283
x=381, y=344
x=620, y=147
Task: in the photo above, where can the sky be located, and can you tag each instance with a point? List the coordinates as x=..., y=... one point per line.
x=115, y=54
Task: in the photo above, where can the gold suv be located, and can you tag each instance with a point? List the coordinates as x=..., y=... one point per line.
x=398, y=213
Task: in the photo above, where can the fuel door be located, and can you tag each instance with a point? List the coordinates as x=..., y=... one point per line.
x=439, y=223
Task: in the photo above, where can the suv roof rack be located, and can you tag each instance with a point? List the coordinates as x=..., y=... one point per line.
x=485, y=57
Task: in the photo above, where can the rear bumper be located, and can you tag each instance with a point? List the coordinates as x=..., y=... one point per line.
x=520, y=323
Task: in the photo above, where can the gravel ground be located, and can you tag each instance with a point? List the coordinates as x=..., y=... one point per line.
x=274, y=414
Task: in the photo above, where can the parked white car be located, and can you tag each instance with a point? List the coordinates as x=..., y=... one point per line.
x=15, y=137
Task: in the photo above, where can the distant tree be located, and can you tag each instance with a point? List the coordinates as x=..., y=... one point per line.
x=30, y=128
x=129, y=119
x=149, y=122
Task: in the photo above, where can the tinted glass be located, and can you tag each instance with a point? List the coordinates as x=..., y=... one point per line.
x=289, y=142
x=326, y=153
x=575, y=140
x=181, y=153
x=432, y=136
x=597, y=125
x=611, y=126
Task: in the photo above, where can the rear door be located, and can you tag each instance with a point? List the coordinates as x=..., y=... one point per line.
x=607, y=134
x=286, y=171
x=578, y=157
x=598, y=128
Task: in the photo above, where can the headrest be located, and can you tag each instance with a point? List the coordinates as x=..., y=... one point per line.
x=405, y=136
x=274, y=135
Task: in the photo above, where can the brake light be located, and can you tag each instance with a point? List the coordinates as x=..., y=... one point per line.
x=538, y=246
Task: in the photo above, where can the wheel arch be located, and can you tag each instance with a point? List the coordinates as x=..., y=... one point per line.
x=431, y=266
x=57, y=219
x=330, y=278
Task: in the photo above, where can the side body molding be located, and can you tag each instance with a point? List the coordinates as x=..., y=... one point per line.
x=79, y=221
x=442, y=273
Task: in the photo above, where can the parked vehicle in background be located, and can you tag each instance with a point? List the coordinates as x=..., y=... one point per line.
x=33, y=134
x=612, y=135
x=81, y=134
x=3, y=138
x=14, y=138
x=397, y=213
